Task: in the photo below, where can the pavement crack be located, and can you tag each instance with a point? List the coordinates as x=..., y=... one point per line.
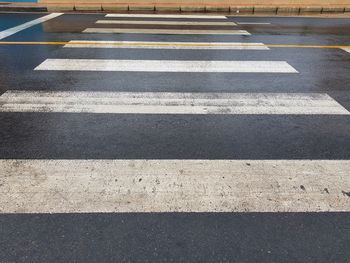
x=346, y=193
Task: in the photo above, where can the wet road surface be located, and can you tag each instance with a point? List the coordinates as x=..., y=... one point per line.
x=230, y=143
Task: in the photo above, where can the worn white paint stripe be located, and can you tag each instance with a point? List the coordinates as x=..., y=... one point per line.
x=165, y=45
x=166, y=66
x=165, y=31
x=167, y=16
x=252, y=23
x=184, y=23
x=347, y=49
x=122, y=186
x=14, y=30
x=169, y=103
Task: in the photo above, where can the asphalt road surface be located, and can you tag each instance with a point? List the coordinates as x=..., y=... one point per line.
x=148, y=138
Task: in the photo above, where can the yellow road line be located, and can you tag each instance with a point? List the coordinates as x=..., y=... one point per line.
x=167, y=44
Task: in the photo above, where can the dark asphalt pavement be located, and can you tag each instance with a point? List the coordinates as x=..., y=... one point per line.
x=177, y=237
x=248, y=237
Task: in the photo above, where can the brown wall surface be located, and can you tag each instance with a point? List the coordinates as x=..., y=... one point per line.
x=214, y=2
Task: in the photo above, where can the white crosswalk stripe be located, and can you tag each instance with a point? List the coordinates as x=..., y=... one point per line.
x=165, y=31
x=347, y=49
x=157, y=22
x=170, y=103
x=71, y=186
x=252, y=23
x=167, y=16
x=165, y=45
x=166, y=66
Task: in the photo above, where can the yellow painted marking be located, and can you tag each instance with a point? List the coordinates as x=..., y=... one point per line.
x=172, y=44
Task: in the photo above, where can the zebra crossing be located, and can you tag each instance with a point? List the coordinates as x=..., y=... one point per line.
x=157, y=22
x=170, y=103
x=166, y=66
x=165, y=45
x=167, y=31
x=171, y=185
x=167, y=16
x=71, y=186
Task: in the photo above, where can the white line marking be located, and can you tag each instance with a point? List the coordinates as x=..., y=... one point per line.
x=122, y=186
x=185, y=23
x=252, y=23
x=166, y=66
x=165, y=31
x=14, y=30
x=167, y=16
x=165, y=45
x=347, y=49
x=169, y=103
